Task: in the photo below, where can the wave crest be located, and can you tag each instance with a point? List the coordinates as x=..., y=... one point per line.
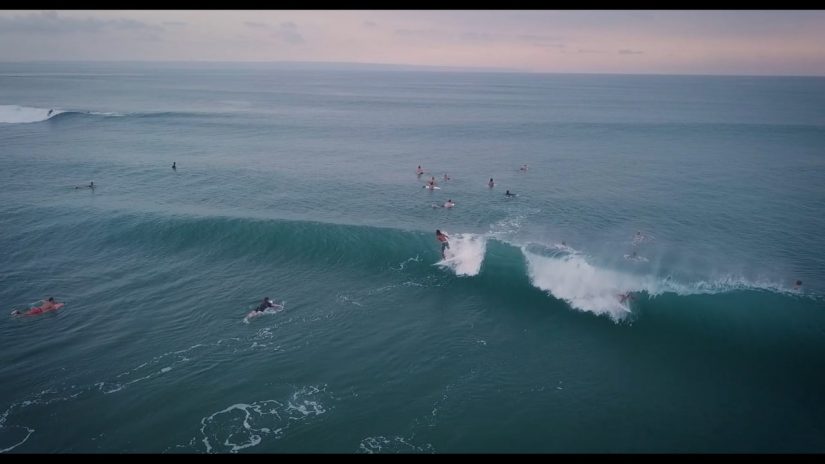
x=15, y=114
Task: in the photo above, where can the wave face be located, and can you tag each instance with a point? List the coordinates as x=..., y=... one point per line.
x=562, y=272
x=15, y=114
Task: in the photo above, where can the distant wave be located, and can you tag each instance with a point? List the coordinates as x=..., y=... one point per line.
x=16, y=114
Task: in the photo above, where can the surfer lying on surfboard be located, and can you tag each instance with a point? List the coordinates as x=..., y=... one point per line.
x=48, y=305
x=266, y=304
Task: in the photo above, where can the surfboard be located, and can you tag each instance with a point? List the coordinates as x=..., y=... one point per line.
x=255, y=314
x=448, y=257
x=36, y=310
x=431, y=188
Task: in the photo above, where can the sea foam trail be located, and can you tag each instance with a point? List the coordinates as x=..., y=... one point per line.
x=15, y=114
x=466, y=254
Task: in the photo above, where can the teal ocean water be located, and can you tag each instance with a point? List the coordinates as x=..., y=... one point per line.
x=702, y=196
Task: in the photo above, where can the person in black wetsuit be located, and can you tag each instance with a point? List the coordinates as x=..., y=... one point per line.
x=267, y=303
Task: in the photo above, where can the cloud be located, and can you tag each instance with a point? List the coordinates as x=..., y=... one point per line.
x=288, y=32
x=542, y=41
x=50, y=22
x=540, y=38
x=626, y=51
x=477, y=36
x=174, y=23
x=417, y=32
x=370, y=24
x=586, y=50
x=150, y=37
x=255, y=24
x=132, y=24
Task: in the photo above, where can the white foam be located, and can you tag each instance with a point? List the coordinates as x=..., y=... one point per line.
x=404, y=263
x=585, y=287
x=465, y=255
x=243, y=425
x=636, y=258
x=724, y=283
x=15, y=114
x=104, y=113
x=570, y=277
x=29, y=432
x=244, y=432
x=397, y=444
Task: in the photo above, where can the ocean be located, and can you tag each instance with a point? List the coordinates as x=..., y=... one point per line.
x=637, y=295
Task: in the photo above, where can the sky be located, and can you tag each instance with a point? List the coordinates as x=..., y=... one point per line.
x=728, y=42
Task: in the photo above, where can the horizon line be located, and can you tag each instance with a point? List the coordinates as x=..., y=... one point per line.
x=401, y=66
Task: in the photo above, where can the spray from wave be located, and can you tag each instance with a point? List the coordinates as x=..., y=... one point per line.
x=566, y=274
x=465, y=255
x=571, y=278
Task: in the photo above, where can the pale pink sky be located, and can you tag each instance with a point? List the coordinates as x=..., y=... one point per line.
x=677, y=42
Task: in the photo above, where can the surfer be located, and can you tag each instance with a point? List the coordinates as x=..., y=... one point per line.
x=265, y=304
x=50, y=113
x=491, y=183
x=797, y=285
x=445, y=245
x=446, y=177
x=91, y=186
x=419, y=171
x=48, y=305
x=449, y=204
x=523, y=167
x=174, y=166
x=508, y=194
x=626, y=297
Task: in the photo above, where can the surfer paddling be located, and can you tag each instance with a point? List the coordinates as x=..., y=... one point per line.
x=48, y=305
